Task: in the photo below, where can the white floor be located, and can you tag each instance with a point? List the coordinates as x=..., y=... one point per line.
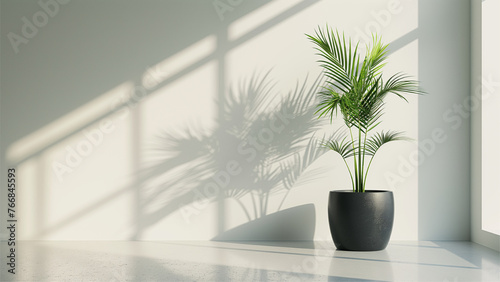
x=250, y=261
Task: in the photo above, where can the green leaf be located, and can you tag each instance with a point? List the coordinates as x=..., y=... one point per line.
x=374, y=143
x=342, y=146
x=355, y=86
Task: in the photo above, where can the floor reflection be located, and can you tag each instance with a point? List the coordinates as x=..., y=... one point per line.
x=250, y=261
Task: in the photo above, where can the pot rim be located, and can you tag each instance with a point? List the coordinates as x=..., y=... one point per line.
x=366, y=191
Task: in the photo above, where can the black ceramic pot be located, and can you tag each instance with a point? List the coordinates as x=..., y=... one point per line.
x=361, y=221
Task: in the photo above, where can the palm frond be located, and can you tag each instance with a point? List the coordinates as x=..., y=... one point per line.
x=338, y=58
x=398, y=84
x=356, y=89
x=329, y=101
x=343, y=147
x=374, y=143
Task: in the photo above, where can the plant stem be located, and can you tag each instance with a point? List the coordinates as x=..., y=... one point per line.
x=354, y=188
x=364, y=154
x=368, y=168
x=360, y=163
x=350, y=173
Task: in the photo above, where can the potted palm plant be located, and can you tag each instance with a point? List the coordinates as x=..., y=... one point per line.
x=360, y=219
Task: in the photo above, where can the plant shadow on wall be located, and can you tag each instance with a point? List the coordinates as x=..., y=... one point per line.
x=258, y=151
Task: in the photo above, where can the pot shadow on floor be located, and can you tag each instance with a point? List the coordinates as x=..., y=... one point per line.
x=259, y=149
x=293, y=227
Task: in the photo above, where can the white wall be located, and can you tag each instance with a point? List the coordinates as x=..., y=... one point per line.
x=444, y=69
x=110, y=78
x=478, y=235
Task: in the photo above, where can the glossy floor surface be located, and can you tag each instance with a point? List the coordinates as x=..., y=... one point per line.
x=249, y=261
